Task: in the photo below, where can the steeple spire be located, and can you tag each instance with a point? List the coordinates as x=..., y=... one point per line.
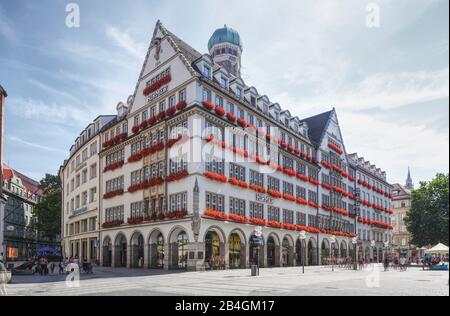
x=409, y=181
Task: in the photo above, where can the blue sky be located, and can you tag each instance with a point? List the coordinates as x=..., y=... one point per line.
x=390, y=85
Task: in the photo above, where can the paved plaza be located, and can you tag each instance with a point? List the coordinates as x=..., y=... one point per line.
x=271, y=282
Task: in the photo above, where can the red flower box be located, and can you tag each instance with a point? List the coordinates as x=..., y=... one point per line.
x=181, y=105
x=313, y=204
x=313, y=181
x=177, y=176
x=238, y=183
x=216, y=177
x=231, y=117
x=135, y=158
x=135, y=220
x=289, y=226
x=257, y=188
x=161, y=116
x=171, y=111
x=112, y=224
x=302, y=177
x=289, y=197
x=275, y=224
x=113, y=166
x=171, y=142
x=216, y=214
x=242, y=123
x=302, y=201
x=238, y=218
x=290, y=172
x=327, y=186
x=275, y=194
x=158, y=84
x=151, y=121
x=258, y=221
x=112, y=194
x=220, y=111
x=336, y=148
x=208, y=105
x=135, y=129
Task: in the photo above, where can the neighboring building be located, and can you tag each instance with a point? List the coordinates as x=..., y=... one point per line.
x=21, y=236
x=374, y=209
x=197, y=161
x=401, y=205
x=81, y=185
x=3, y=95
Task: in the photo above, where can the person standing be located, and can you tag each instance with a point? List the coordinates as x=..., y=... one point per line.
x=61, y=267
x=386, y=264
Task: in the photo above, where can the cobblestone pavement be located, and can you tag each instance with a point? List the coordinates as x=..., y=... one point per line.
x=271, y=282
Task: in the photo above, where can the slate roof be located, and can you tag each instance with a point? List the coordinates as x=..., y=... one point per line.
x=317, y=125
x=190, y=53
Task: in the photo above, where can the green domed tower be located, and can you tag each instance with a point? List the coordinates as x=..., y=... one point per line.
x=225, y=47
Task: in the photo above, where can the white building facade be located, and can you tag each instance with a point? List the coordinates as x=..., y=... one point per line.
x=198, y=163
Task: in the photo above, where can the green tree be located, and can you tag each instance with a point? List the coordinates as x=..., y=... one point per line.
x=427, y=220
x=48, y=211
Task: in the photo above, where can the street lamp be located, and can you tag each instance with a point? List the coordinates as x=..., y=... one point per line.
x=302, y=237
x=355, y=252
x=332, y=242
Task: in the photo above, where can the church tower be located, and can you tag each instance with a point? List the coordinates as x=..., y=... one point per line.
x=409, y=181
x=225, y=47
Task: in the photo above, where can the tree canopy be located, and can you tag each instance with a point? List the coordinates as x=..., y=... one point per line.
x=48, y=210
x=427, y=221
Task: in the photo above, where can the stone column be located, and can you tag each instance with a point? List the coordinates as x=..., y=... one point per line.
x=245, y=256
x=278, y=256
x=128, y=259
x=225, y=253
x=88, y=249
x=291, y=262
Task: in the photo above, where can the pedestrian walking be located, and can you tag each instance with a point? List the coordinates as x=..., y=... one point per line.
x=386, y=264
x=61, y=267
x=52, y=267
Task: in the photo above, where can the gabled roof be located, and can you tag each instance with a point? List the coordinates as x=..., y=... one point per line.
x=317, y=125
x=3, y=91
x=30, y=185
x=190, y=53
x=403, y=191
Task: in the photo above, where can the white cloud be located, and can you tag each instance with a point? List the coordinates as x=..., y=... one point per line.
x=54, y=113
x=18, y=140
x=52, y=90
x=6, y=28
x=394, y=146
x=382, y=91
x=125, y=41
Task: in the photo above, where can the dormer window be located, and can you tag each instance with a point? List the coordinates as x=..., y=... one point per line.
x=265, y=108
x=224, y=83
x=238, y=93
x=253, y=101
x=207, y=72
x=277, y=116
x=286, y=122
